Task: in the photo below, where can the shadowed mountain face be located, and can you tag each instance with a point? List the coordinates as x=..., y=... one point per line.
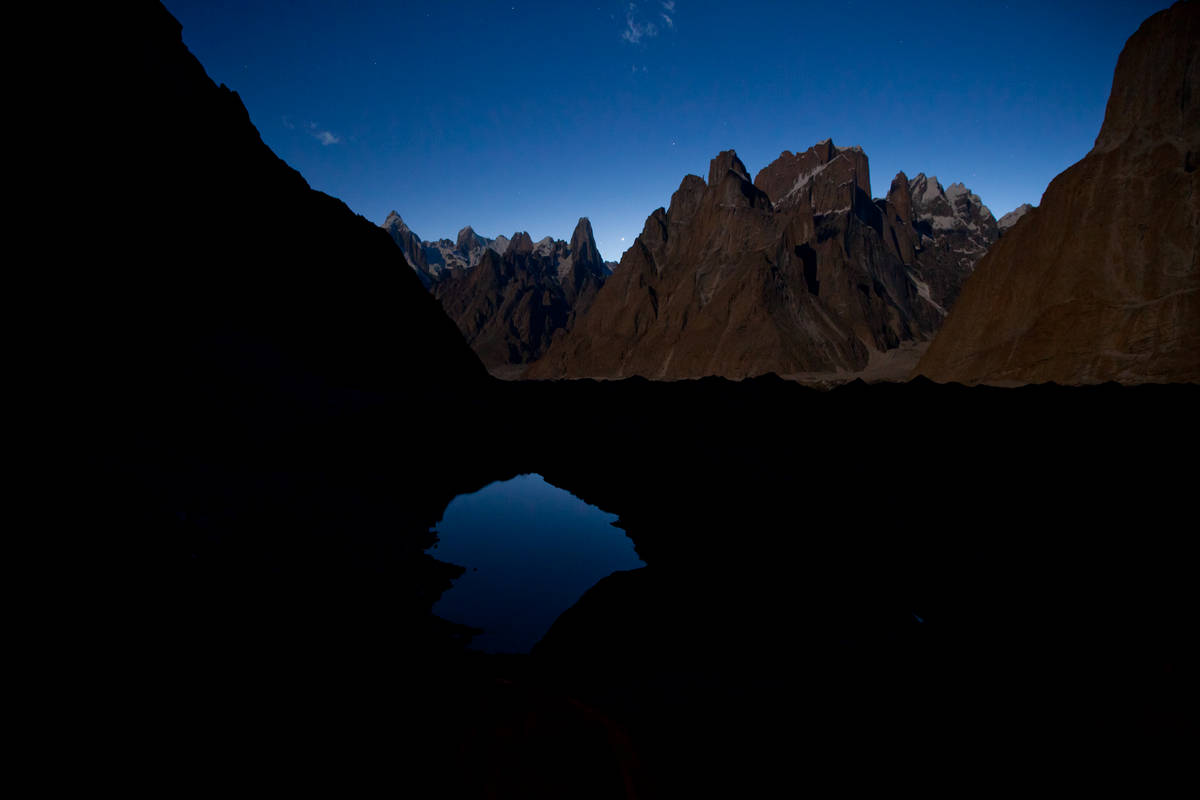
x=1101, y=281
x=512, y=305
x=509, y=297
x=796, y=272
x=271, y=290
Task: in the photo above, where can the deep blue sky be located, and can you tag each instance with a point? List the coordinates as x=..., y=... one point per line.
x=526, y=116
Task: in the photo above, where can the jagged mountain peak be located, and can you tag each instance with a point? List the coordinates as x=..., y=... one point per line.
x=583, y=244
x=396, y=224
x=926, y=189
x=520, y=243
x=468, y=238
x=900, y=196
x=949, y=208
x=824, y=177
x=726, y=162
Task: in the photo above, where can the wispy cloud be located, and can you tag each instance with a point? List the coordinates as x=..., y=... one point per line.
x=636, y=29
x=323, y=136
x=638, y=26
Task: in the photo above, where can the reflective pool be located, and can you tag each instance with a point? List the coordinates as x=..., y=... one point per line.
x=531, y=550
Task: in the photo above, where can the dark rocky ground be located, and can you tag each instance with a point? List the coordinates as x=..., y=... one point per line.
x=275, y=595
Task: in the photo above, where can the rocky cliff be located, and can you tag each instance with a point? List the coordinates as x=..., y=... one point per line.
x=797, y=272
x=954, y=229
x=513, y=304
x=1102, y=281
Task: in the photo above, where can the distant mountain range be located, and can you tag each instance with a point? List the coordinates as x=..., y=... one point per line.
x=433, y=260
x=799, y=272
x=510, y=297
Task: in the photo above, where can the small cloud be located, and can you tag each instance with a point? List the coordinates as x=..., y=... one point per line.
x=669, y=5
x=670, y=22
x=287, y=123
x=323, y=136
x=636, y=30
x=668, y=10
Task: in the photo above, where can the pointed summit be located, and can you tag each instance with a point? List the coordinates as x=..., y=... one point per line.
x=583, y=245
x=409, y=244
x=727, y=176
x=520, y=243
x=467, y=239
x=900, y=196
x=726, y=162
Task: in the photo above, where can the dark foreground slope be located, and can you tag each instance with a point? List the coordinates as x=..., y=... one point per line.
x=1102, y=280
x=250, y=602
x=218, y=335
x=959, y=587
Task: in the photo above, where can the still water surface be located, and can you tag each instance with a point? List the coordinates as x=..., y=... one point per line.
x=531, y=550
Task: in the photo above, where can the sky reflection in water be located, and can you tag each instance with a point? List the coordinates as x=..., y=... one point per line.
x=531, y=550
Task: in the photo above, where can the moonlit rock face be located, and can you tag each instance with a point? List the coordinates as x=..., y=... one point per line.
x=1100, y=282
x=956, y=190
x=1011, y=218
x=825, y=178
x=411, y=246
x=728, y=282
x=927, y=190
x=433, y=260
x=955, y=208
x=724, y=163
x=953, y=229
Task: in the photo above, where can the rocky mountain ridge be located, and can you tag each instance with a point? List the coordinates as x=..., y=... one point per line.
x=797, y=272
x=517, y=299
x=1010, y=219
x=433, y=260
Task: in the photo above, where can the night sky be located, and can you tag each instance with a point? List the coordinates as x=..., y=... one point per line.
x=526, y=116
